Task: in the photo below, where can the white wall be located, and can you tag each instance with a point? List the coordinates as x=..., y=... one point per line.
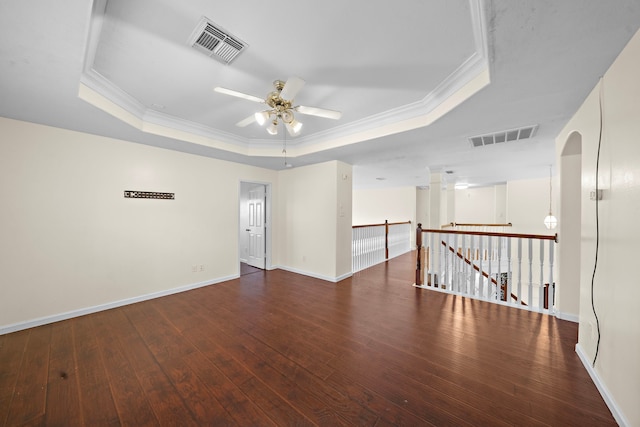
x=314, y=219
x=71, y=241
x=616, y=287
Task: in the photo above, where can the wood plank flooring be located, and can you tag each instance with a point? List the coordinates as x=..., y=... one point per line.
x=278, y=349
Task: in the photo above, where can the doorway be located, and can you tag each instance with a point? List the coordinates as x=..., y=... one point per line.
x=254, y=227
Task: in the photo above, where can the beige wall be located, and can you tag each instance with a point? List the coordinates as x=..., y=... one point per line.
x=314, y=220
x=71, y=243
x=374, y=206
x=475, y=205
x=528, y=205
x=616, y=287
x=569, y=229
x=422, y=207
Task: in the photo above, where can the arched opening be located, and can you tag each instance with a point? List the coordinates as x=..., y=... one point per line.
x=569, y=227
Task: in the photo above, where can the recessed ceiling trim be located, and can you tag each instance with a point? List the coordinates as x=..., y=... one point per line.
x=464, y=82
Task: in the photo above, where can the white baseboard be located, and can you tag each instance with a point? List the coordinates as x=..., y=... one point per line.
x=6, y=329
x=604, y=392
x=314, y=275
x=569, y=317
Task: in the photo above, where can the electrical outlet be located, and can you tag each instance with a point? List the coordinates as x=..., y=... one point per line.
x=194, y=268
x=201, y=267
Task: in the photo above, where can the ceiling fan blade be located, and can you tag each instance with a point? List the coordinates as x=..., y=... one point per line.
x=238, y=94
x=320, y=112
x=291, y=88
x=247, y=121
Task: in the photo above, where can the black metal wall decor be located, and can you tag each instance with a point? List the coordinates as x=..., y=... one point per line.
x=130, y=194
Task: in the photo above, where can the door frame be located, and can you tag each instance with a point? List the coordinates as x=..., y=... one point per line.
x=268, y=211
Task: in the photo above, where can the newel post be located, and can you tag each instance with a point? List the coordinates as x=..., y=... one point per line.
x=386, y=239
x=419, y=257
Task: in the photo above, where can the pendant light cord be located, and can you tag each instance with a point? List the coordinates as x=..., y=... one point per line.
x=550, y=194
x=284, y=144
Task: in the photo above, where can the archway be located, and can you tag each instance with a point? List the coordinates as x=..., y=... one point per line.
x=569, y=227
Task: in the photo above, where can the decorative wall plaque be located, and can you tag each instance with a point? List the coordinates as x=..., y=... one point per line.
x=130, y=194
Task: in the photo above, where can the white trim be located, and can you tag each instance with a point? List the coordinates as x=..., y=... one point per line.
x=604, y=392
x=568, y=316
x=316, y=276
x=89, y=310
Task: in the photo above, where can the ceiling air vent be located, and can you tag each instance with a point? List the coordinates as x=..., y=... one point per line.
x=504, y=136
x=216, y=42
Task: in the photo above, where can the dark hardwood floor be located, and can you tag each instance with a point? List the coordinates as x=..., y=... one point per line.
x=280, y=349
x=248, y=269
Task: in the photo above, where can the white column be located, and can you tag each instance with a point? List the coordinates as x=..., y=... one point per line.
x=451, y=204
x=435, y=193
x=435, y=190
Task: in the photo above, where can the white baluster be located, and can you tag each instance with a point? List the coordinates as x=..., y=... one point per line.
x=499, y=295
x=432, y=268
x=552, y=293
x=481, y=266
x=509, y=284
x=455, y=269
x=541, y=291
x=531, y=273
x=465, y=270
x=442, y=266
x=472, y=270
x=490, y=249
x=519, y=271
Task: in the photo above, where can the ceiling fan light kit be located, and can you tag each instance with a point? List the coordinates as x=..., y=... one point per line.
x=281, y=108
x=262, y=117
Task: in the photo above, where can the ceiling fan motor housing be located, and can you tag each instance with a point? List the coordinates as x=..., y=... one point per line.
x=281, y=107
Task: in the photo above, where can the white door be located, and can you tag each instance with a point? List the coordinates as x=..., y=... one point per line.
x=256, y=229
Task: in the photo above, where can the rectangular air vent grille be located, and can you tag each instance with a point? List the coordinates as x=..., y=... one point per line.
x=504, y=136
x=216, y=42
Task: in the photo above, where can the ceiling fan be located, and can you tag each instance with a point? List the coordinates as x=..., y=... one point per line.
x=281, y=107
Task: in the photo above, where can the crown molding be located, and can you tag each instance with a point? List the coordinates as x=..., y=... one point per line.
x=471, y=76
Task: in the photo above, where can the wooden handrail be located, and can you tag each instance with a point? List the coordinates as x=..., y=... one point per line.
x=456, y=224
x=494, y=234
x=380, y=225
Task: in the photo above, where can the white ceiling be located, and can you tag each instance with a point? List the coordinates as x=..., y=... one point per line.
x=413, y=81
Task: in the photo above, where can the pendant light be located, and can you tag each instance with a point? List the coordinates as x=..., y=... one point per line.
x=550, y=221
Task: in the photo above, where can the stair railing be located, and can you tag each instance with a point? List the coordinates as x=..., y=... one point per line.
x=506, y=268
x=376, y=243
